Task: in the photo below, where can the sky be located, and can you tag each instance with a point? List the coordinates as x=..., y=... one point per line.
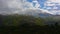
x=30, y=6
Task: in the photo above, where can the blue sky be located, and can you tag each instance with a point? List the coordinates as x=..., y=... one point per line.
x=41, y=2
x=52, y=6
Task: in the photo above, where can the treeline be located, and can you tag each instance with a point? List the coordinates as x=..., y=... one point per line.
x=25, y=24
x=15, y=20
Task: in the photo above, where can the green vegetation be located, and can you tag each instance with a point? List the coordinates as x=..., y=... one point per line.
x=15, y=20
x=25, y=24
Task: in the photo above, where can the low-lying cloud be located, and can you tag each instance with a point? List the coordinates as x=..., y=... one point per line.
x=16, y=6
x=21, y=7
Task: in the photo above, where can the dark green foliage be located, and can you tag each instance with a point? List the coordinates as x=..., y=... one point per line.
x=27, y=29
x=15, y=20
x=22, y=24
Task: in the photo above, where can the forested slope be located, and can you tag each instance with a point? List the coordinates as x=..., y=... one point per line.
x=25, y=24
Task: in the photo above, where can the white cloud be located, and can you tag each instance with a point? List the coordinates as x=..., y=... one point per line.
x=52, y=3
x=55, y=12
x=56, y=1
x=21, y=7
x=55, y=7
x=16, y=6
x=48, y=4
x=37, y=5
x=52, y=6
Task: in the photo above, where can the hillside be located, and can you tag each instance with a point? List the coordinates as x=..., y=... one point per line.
x=14, y=20
x=27, y=24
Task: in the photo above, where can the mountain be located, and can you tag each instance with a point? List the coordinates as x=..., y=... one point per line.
x=45, y=14
x=38, y=13
x=35, y=12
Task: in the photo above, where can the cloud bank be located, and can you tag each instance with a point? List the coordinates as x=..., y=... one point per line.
x=20, y=7
x=25, y=7
x=15, y=6
x=53, y=6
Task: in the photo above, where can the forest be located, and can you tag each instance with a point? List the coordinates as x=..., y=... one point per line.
x=27, y=24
